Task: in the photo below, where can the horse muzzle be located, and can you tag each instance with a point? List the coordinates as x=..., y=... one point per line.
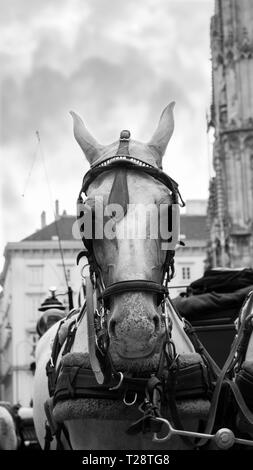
x=135, y=327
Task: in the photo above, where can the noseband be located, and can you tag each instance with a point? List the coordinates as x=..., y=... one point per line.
x=120, y=162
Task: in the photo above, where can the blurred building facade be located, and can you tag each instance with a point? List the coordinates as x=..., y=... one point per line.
x=230, y=208
x=190, y=260
x=31, y=267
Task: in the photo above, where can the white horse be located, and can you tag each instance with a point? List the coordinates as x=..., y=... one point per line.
x=137, y=322
x=8, y=437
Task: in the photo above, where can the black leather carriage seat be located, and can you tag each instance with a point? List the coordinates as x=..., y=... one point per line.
x=212, y=304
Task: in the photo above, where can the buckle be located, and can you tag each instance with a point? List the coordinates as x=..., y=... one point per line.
x=130, y=403
x=116, y=387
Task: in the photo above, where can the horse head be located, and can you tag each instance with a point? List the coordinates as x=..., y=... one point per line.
x=127, y=191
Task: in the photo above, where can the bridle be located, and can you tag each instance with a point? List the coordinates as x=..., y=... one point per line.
x=99, y=296
x=124, y=161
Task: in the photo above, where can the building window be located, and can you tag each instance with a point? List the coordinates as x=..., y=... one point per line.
x=32, y=305
x=35, y=275
x=186, y=272
x=68, y=270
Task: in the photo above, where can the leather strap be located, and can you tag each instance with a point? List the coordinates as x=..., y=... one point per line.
x=119, y=192
x=80, y=382
x=213, y=368
x=158, y=174
x=51, y=364
x=150, y=408
x=138, y=285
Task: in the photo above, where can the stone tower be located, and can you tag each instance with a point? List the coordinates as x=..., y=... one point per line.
x=230, y=208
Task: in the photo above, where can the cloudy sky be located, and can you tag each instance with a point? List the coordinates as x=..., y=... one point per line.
x=115, y=62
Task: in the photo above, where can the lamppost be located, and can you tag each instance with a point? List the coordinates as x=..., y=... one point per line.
x=52, y=311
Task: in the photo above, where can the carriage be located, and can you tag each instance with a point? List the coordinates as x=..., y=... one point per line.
x=212, y=303
x=127, y=370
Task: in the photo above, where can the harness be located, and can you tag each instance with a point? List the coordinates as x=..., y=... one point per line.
x=169, y=382
x=151, y=394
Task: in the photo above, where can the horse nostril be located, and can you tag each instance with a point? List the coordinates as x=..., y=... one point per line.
x=112, y=326
x=156, y=322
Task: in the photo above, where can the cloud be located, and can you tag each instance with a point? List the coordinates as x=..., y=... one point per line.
x=117, y=64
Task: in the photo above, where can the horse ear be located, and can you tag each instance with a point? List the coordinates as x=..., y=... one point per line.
x=90, y=147
x=163, y=132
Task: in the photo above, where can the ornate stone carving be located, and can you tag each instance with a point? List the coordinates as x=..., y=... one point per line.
x=223, y=115
x=233, y=124
x=229, y=58
x=212, y=202
x=216, y=45
x=248, y=142
x=245, y=46
x=229, y=49
x=230, y=40
x=249, y=122
x=233, y=142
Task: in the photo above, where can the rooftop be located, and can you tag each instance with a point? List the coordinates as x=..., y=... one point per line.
x=193, y=227
x=63, y=229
